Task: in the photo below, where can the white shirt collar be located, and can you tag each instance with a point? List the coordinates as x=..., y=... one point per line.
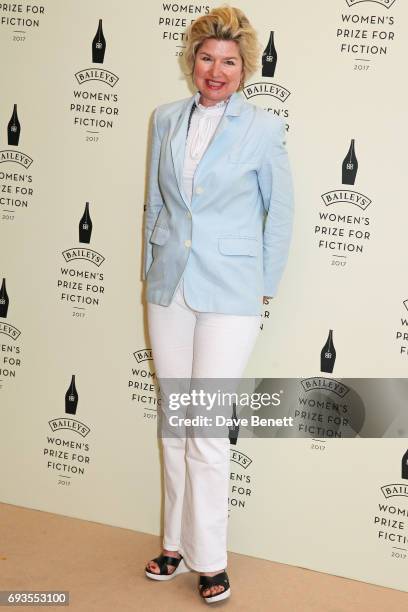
x=215, y=109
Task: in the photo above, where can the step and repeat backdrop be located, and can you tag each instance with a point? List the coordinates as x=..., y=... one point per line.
x=78, y=391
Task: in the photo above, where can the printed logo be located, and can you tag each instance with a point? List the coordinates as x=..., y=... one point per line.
x=240, y=488
x=10, y=352
x=173, y=19
x=386, y=3
x=328, y=384
x=366, y=38
x=404, y=466
x=17, y=187
x=326, y=407
x=401, y=335
x=71, y=397
x=79, y=283
x=93, y=106
x=266, y=87
x=391, y=518
x=337, y=231
x=21, y=18
x=328, y=354
x=67, y=455
x=143, y=384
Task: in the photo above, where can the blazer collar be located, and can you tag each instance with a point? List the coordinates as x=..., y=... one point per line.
x=234, y=105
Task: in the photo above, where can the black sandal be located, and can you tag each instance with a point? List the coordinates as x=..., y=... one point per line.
x=163, y=561
x=209, y=581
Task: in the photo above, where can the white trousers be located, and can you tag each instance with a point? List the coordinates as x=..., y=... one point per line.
x=186, y=343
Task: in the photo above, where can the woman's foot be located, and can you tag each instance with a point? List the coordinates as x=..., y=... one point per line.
x=212, y=590
x=154, y=568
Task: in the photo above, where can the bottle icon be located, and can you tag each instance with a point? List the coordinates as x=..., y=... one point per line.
x=269, y=58
x=404, y=473
x=98, y=45
x=349, y=167
x=85, y=226
x=328, y=354
x=233, y=431
x=71, y=397
x=13, y=128
x=4, y=300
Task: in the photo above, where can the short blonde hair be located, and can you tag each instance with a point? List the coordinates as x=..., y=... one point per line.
x=224, y=23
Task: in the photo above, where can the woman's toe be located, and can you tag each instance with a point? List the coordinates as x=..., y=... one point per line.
x=153, y=567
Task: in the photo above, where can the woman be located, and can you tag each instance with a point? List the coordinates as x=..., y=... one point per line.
x=217, y=232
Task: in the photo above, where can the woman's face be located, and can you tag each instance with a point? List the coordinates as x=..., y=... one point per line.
x=218, y=69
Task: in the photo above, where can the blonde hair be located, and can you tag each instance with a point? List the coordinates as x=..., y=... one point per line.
x=224, y=23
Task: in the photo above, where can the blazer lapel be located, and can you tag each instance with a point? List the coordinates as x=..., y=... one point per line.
x=178, y=146
x=178, y=140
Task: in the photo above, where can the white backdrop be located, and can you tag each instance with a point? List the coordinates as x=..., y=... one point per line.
x=77, y=308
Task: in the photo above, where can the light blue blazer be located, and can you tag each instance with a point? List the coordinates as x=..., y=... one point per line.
x=231, y=242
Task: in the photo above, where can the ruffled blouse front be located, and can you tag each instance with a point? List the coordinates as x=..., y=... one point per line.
x=204, y=122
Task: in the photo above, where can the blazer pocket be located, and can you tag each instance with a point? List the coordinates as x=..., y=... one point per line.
x=160, y=235
x=238, y=246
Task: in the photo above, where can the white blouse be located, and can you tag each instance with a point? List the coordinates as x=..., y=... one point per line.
x=204, y=122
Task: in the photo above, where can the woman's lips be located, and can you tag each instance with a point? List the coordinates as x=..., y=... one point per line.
x=214, y=84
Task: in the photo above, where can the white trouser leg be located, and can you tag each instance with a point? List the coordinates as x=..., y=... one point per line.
x=222, y=346
x=186, y=343
x=171, y=331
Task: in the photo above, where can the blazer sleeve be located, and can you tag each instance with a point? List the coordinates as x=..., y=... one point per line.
x=276, y=186
x=154, y=200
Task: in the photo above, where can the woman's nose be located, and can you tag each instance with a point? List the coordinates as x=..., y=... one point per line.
x=216, y=70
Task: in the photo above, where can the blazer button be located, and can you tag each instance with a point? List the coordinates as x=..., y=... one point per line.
x=187, y=243
x=199, y=190
x=188, y=213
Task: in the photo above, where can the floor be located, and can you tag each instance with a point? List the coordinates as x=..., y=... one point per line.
x=102, y=568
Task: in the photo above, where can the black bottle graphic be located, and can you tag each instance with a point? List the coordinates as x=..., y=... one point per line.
x=349, y=167
x=85, y=226
x=328, y=354
x=4, y=300
x=71, y=397
x=98, y=45
x=404, y=473
x=233, y=431
x=269, y=58
x=13, y=128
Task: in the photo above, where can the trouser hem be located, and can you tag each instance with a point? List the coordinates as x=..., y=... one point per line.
x=199, y=567
x=170, y=547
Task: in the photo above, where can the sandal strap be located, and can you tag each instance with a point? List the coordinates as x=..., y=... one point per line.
x=163, y=561
x=219, y=579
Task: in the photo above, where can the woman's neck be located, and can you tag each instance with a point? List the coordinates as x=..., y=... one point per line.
x=211, y=103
